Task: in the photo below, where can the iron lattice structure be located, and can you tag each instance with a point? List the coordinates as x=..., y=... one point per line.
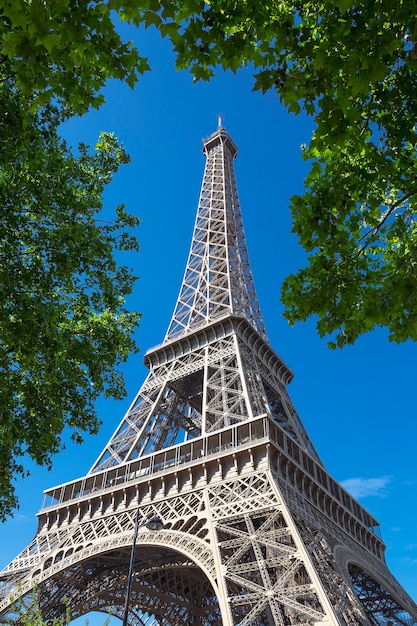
x=256, y=532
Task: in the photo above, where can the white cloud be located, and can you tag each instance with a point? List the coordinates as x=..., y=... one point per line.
x=365, y=487
x=18, y=518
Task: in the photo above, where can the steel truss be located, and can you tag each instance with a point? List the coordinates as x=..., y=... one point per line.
x=256, y=532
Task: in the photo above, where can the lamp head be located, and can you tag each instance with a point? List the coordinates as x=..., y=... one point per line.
x=154, y=524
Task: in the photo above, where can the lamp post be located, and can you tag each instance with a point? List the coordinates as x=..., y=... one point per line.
x=152, y=524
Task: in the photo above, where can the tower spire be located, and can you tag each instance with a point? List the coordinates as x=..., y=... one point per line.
x=218, y=279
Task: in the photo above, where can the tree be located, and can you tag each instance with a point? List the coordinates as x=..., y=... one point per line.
x=27, y=609
x=29, y=613
x=64, y=324
x=64, y=52
x=64, y=327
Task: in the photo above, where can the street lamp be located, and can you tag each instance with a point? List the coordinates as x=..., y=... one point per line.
x=152, y=524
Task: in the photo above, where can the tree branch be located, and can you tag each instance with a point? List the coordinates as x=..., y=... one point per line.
x=377, y=228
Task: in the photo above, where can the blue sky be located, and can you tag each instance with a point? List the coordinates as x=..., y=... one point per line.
x=358, y=405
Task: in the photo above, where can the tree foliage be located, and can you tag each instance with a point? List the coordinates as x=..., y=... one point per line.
x=64, y=51
x=28, y=611
x=64, y=326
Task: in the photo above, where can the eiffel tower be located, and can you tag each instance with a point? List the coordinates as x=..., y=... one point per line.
x=255, y=530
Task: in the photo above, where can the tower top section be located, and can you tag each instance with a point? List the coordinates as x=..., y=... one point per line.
x=221, y=135
x=218, y=279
